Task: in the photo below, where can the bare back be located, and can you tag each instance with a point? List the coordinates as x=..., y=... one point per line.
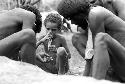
x=119, y=6
x=101, y=17
x=12, y=21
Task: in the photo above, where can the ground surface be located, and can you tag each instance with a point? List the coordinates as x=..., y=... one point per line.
x=16, y=72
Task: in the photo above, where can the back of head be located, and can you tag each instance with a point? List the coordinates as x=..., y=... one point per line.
x=68, y=8
x=38, y=21
x=54, y=18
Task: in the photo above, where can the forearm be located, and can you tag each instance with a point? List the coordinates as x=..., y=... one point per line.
x=81, y=52
x=80, y=49
x=39, y=42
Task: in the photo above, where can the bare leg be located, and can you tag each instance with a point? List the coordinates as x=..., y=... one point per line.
x=100, y=59
x=87, y=68
x=105, y=44
x=24, y=40
x=61, y=60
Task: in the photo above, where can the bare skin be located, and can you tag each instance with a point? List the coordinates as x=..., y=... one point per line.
x=59, y=53
x=79, y=42
x=16, y=34
x=105, y=43
x=115, y=6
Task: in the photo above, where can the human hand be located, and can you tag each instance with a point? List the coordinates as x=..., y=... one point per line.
x=44, y=57
x=52, y=48
x=48, y=35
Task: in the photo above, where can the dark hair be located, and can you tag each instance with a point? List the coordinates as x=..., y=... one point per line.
x=55, y=18
x=38, y=21
x=68, y=8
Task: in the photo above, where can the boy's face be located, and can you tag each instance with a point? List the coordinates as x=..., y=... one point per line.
x=52, y=27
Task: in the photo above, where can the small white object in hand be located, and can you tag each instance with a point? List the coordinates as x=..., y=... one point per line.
x=89, y=53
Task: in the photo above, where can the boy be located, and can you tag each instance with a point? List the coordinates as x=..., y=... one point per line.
x=55, y=46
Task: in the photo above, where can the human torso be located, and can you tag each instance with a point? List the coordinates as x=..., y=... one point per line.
x=9, y=24
x=119, y=6
x=51, y=66
x=112, y=24
x=12, y=21
x=57, y=42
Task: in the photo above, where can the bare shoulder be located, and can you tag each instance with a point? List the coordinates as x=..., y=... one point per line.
x=27, y=17
x=24, y=13
x=98, y=12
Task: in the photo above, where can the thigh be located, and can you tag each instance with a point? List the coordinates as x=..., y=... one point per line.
x=12, y=43
x=116, y=50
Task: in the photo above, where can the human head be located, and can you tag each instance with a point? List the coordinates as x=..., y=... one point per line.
x=55, y=20
x=38, y=22
x=71, y=8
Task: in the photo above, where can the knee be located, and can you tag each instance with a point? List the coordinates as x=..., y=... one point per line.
x=61, y=51
x=101, y=39
x=28, y=36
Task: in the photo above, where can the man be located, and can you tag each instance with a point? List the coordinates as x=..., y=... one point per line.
x=17, y=33
x=56, y=53
x=105, y=27
x=116, y=7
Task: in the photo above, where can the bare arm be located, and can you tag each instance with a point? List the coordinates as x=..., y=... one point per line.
x=27, y=17
x=64, y=44
x=79, y=45
x=97, y=18
x=43, y=38
x=40, y=40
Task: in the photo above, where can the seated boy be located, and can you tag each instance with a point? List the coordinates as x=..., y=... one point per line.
x=55, y=57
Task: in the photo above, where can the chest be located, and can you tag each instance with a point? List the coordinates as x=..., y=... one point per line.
x=56, y=42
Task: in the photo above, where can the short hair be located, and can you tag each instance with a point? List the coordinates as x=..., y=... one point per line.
x=68, y=8
x=38, y=21
x=54, y=18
